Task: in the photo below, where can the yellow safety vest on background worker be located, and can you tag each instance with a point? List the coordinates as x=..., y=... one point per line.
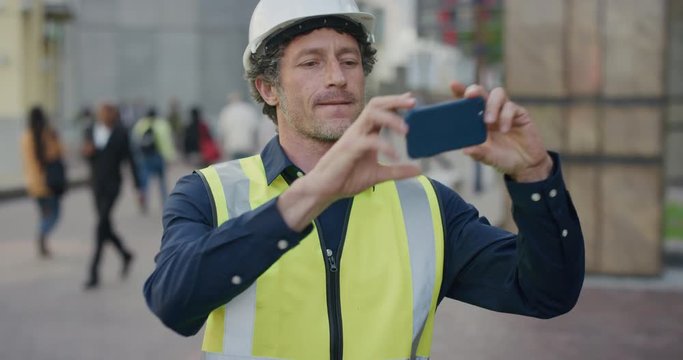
x=382, y=291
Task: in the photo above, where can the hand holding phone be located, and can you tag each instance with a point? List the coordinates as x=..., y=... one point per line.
x=447, y=126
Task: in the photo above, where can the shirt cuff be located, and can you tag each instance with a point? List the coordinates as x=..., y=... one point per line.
x=541, y=194
x=267, y=223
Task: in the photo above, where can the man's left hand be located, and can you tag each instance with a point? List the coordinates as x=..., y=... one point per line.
x=513, y=145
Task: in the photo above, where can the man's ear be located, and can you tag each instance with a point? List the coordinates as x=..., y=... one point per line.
x=267, y=91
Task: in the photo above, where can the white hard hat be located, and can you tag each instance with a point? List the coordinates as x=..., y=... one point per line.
x=273, y=16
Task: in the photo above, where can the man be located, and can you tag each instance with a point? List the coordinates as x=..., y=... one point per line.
x=238, y=125
x=175, y=119
x=154, y=140
x=313, y=250
x=106, y=147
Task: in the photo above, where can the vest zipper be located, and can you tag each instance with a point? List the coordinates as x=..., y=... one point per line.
x=333, y=301
x=333, y=289
x=334, y=309
x=331, y=261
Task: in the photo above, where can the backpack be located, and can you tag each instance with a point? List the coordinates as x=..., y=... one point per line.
x=55, y=177
x=148, y=144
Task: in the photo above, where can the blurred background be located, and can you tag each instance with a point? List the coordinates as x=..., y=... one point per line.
x=603, y=79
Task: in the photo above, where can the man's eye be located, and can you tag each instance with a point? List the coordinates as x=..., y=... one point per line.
x=350, y=63
x=309, y=64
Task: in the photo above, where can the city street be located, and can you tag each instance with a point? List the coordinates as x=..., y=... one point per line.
x=45, y=314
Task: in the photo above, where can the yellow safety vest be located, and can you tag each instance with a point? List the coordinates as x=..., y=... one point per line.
x=375, y=301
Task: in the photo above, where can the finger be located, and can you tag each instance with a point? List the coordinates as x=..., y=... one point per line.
x=379, y=118
x=393, y=102
x=397, y=172
x=521, y=117
x=507, y=115
x=494, y=104
x=458, y=89
x=375, y=143
x=367, y=121
x=473, y=91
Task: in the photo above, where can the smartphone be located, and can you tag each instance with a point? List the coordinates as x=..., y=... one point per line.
x=446, y=126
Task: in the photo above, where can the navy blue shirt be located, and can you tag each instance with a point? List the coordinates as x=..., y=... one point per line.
x=538, y=272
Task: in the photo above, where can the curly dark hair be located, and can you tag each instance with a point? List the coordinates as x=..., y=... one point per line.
x=266, y=64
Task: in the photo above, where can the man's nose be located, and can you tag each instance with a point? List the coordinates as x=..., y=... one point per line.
x=334, y=74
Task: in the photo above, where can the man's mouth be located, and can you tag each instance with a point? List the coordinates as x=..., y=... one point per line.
x=332, y=103
x=335, y=98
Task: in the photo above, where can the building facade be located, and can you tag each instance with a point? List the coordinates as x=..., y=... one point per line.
x=31, y=56
x=151, y=51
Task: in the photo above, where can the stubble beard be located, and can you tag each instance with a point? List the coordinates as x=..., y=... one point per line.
x=318, y=131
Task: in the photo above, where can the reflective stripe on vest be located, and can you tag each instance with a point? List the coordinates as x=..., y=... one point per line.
x=214, y=356
x=389, y=275
x=415, y=206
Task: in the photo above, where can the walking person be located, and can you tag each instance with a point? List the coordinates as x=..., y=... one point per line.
x=106, y=147
x=41, y=149
x=238, y=125
x=200, y=146
x=191, y=138
x=312, y=249
x=153, y=138
x=175, y=120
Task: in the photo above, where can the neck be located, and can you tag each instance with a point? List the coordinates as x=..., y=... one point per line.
x=302, y=151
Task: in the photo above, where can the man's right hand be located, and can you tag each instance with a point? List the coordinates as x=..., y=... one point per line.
x=350, y=166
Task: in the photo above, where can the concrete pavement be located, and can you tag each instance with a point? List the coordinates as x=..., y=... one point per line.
x=44, y=314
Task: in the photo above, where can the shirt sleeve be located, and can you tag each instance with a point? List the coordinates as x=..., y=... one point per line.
x=538, y=272
x=201, y=267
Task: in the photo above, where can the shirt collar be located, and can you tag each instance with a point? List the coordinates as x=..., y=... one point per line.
x=275, y=161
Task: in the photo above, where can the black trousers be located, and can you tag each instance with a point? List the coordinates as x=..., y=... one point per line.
x=105, y=198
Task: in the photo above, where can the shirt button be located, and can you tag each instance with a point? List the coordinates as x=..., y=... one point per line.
x=536, y=197
x=553, y=193
x=565, y=233
x=236, y=280
x=282, y=244
x=299, y=174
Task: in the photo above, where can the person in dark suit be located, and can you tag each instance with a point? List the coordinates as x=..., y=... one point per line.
x=106, y=146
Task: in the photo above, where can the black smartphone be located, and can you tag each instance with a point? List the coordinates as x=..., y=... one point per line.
x=446, y=126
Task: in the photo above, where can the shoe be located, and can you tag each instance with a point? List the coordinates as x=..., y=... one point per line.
x=91, y=284
x=44, y=253
x=127, y=261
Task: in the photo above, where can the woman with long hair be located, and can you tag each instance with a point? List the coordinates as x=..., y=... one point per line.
x=40, y=146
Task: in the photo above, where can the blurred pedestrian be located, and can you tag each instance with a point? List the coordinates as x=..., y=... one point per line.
x=175, y=119
x=238, y=126
x=200, y=147
x=106, y=147
x=191, y=139
x=153, y=138
x=42, y=150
